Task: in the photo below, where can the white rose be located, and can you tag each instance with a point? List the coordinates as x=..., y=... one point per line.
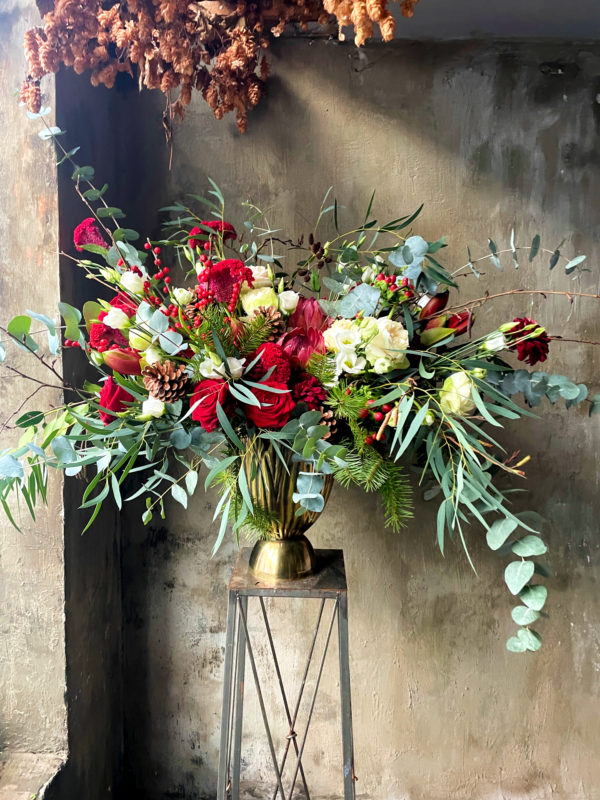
x=208, y=368
x=390, y=342
x=182, y=296
x=153, y=355
x=262, y=277
x=382, y=365
x=288, y=301
x=253, y=299
x=495, y=342
x=455, y=394
x=153, y=407
x=132, y=283
x=329, y=336
x=116, y=319
x=139, y=340
x=348, y=361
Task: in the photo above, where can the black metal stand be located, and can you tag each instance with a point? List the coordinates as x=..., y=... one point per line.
x=329, y=583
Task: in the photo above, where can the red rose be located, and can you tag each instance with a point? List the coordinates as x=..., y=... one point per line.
x=87, y=232
x=205, y=398
x=125, y=303
x=113, y=397
x=124, y=361
x=275, y=407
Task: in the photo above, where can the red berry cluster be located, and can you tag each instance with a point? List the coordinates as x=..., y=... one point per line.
x=390, y=282
x=71, y=343
x=376, y=416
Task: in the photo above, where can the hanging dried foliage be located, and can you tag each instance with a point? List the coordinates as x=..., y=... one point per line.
x=214, y=46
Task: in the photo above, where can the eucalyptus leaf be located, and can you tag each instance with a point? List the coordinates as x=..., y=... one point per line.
x=529, y=546
x=517, y=574
x=523, y=615
x=534, y=596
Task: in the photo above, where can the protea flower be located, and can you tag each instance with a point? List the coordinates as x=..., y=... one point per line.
x=305, y=331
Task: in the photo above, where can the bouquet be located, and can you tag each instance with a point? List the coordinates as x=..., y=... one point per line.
x=359, y=360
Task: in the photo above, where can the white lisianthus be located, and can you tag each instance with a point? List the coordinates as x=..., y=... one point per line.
x=116, y=319
x=329, y=336
x=348, y=361
x=263, y=276
x=368, y=328
x=495, y=342
x=347, y=340
x=382, y=365
x=209, y=369
x=132, y=282
x=182, y=296
x=153, y=407
x=288, y=301
x=253, y=299
x=455, y=394
x=153, y=355
x=390, y=342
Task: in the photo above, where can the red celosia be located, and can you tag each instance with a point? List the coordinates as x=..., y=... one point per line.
x=224, y=279
x=310, y=391
x=198, y=235
x=102, y=336
x=88, y=232
x=305, y=331
x=125, y=303
x=271, y=356
x=532, y=349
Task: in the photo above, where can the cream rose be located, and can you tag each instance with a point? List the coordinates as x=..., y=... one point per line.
x=455, y=394
x=116, y=319
x=132, y=282
x=390, y=342
x=263, y=276
x=288, y=301
x=253, y=299
x=183, y=296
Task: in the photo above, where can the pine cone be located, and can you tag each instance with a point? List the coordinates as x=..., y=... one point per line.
x=168, y=382
x=328, y=419
x=274, y=319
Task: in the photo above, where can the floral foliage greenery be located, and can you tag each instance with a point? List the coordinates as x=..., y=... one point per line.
x=355, y=361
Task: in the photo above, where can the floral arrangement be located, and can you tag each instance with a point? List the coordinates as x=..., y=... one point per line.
x=177, y=46
x=359, y=360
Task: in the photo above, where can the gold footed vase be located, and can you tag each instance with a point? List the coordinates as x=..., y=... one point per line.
x=286, y=554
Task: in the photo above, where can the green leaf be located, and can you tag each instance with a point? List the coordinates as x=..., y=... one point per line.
x=441, y=519
x=180, y=438
x=529, y=546
x=72, y=318
x=179, y=494
x=95, y=194
x=573, y=263
x=19, y=328
x=97, y=249
x=414, y=427
x=499, y=533
x=223, y=526
x=30, y=418
x=83, y=173
x=523, y=615
x=534, y=596
x=110, y=211
x=530, y=639
x=517, y=574
x=218, y=468
x=554, y=259
x=126, y=233
x=433, y=336
x=10, y=467
x=363, y=298
x=595, y=405
x=516, y=645
x=116, y=491
x=535, y=247
x=63, y=450
x=226, y=425
x=191, y=481
x=244, y=490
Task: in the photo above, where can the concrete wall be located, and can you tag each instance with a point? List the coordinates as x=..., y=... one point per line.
x=487, y=136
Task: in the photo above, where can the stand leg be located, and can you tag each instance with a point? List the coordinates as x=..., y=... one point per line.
x=347, y=740
x=223, y=781
x=239, y=705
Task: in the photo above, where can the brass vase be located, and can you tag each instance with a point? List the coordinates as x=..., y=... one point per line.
x=286, y=553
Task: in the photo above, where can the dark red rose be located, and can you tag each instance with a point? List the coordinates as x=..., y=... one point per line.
x=103, y=336
x=87, y=232
x=271, y=355
x=305, y=331
x=532, y=349
x=113, y=397
x=309, y=390
x=205, y=397
x=198, y=235
x=125, y=303
x=124, y=361
x=225, y=278
x=275, y=407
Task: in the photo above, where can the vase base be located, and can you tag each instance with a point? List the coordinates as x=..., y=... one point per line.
x=283, y=559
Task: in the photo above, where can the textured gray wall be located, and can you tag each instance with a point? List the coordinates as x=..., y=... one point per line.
x=486, y=135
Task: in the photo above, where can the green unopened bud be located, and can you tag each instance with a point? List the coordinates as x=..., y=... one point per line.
x=507, y=326
x=281, y=286
x=428, y=419
x=479, y=373
x=110, y=275
x=538, y=332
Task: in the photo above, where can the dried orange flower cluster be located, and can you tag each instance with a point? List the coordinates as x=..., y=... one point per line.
x=214, y=46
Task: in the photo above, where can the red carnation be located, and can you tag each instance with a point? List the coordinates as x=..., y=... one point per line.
x=271, y=355
x=103, y=336
x=88, y=232
x=225, y=279
x=205, y=398
x=275, y=407
x=113, y=397
x=305, y=331
x=226, y=229
x=532, y=349
x=310, y=391
x=125, y=303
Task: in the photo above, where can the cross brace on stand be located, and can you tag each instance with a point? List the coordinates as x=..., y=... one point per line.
x=328, y=583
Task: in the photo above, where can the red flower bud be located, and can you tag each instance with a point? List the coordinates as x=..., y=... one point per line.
x=435, y=305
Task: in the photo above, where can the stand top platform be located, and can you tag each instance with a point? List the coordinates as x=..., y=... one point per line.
x=329, y=579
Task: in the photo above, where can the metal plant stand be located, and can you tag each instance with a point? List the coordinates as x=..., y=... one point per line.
x=328, y=584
